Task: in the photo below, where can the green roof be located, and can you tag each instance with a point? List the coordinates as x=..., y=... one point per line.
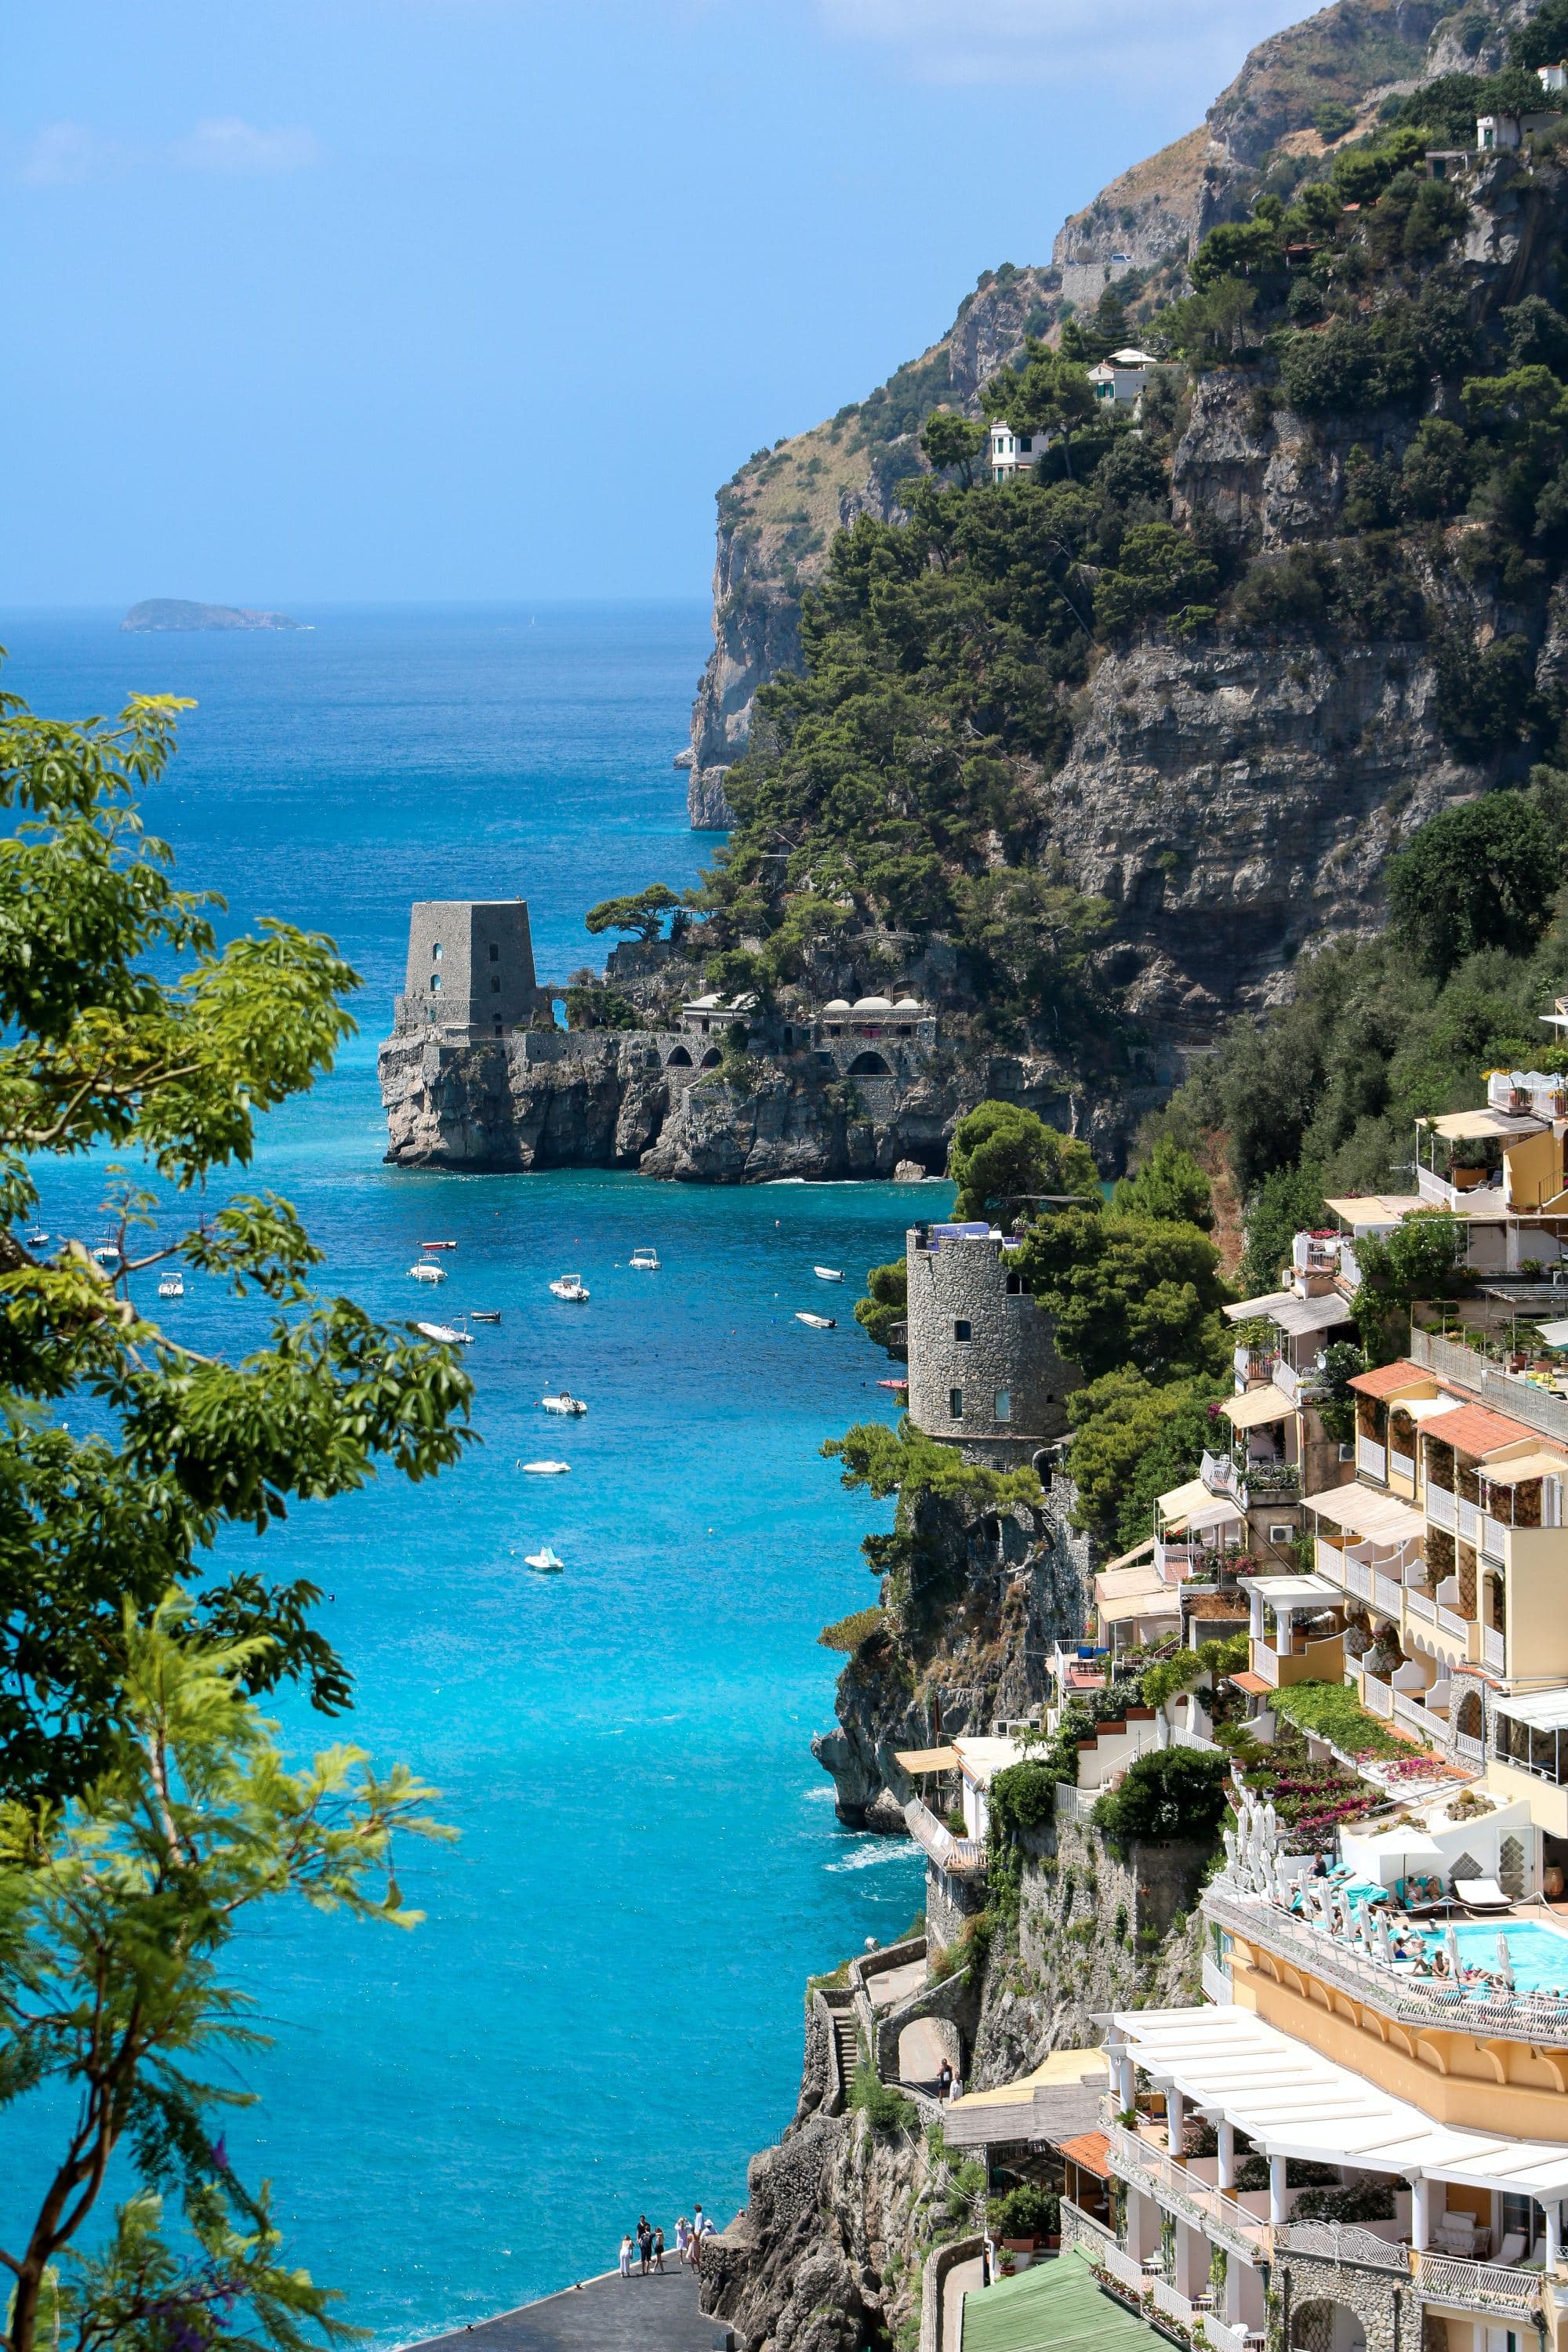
x=1054, y=2306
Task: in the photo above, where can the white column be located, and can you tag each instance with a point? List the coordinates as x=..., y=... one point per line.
x=1126, y=2082
x=1552, y=2210
x=1226, y=2155
x=1175, y=2118
x=1420, y=2213
x=1254, y=1613
x=1277, y=2192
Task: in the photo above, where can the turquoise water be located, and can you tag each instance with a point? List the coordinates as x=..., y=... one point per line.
x=603, y=2014
x=1538, y=1955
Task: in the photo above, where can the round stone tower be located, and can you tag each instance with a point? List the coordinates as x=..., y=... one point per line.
x=985, y=1374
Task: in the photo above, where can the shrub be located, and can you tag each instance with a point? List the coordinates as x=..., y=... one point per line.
x=1480, y=876
x=853, y=1632
x=1170, y=1675
x=1281, y=593
x=1023, y=1796
x=1026, y=2211
x=1176, y=1792
x=1486, y=694
x=885, y=2109
x=1331, y=1711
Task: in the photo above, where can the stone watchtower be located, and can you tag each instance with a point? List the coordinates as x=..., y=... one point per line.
x=470, y=970
x=985, y=1374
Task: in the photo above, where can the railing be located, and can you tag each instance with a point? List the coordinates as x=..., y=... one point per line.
x=1174, y=2186
x=1358, y=1577
x=1265, y=1478
x=1340, y=2242
x=1420, y=1604
x=1402, y=1465
x=1335, y=1962
x=1494, y=1651
x=1469, y=1518
x=1177, y=1562
x=1492, y=1543
x=1480, y=2286
x=1371, y=1457
x=1535, y=1407
x=1387, y=1593
x=1123, y=2266
x=937, y=1842
x=1452, y=1622
x=1217, y=1471
x=1183, y=2309
x=1472, y=1751
x=1299, y=1382
x=1377, y=1697
x=1216, y=1982
x=1413, y=1712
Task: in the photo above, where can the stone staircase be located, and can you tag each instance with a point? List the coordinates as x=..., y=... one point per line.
x=847, y=2034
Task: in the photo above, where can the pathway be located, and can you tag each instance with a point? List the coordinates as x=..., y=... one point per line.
x=605, y=2314
x=963, y=2278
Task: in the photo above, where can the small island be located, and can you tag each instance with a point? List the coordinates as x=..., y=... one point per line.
x=166, y=613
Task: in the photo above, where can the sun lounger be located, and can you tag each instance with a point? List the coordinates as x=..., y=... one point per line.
x=1482, y=1894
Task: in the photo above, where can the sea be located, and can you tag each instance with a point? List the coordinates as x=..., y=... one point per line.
x=601, y=2014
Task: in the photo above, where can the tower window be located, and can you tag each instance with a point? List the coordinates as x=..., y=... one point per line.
x=498, y=1028
x=961, y=1330
x=1004, y=1404
x=435, y=984
x=436, y=952
x=955, y=1405
x=495, y=983
x=495, y=952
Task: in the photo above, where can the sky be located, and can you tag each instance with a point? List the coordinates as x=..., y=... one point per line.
x=320, y=302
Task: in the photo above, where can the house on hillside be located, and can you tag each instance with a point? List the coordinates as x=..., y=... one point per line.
x=1009, y=453
x=1120, y=379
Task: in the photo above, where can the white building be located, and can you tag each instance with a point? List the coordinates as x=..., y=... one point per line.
x=1011, y=453
x=1122, y=377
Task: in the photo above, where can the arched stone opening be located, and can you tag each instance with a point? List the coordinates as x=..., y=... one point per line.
x=679, y=1060
x=870, y=1065
x=1323, y=2326
x=709, y=1060
x=1470, y=1720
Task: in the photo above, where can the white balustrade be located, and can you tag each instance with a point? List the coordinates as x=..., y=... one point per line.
x=1471, y=1749
x=1420, y=1604
x=1441, y=1507
x=1452, y=1622
x=1358, y=1577
x=1491, y=1536
x=1479, y=2286
x=1377, y=1697
x=1387, y=1593
x=1402, y=1465
x=1470, y=1526
x=1493, y=1651
x=1371, y=1458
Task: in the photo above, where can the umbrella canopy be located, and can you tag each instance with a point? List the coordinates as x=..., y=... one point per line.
x=1505, y=1965
x=1451, y=1946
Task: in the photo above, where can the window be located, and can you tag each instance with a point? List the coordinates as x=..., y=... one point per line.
x=498, y=1029
x=1015, y=1285
x=1027, y=441
x=495, y=983
x=436, y=952
x=495, y=952
x=1004, y=1404
x=961, y=1330
x=435, y=984
x=955, y=1405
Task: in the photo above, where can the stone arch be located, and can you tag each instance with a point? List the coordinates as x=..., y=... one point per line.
x=709, y=1060
x=1470, y=1718
x=1319, y=2325
x=679, y=1060
x=870, y=1065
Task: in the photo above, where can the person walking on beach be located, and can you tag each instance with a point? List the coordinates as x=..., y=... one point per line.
x=626, y=2255
x=645, y=2242
x=658, y=2252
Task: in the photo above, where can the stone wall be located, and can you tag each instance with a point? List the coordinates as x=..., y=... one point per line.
x=961, y=1288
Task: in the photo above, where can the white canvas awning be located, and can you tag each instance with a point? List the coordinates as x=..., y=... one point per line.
x=1554, y=1334
x=1522, y=1467
x=1126, y=1558
x=1299, y=1318
x=1476, y=1126
x=1291, y=2101
x=1381, y=1518
x=1194, y=1507
x=1126, y=1608
x=1249, y=1310
x=1542, y=1711
x=1257, y=1408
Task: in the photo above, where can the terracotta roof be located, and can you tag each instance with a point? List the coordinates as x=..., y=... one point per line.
x=1475, y=1430
x=1249, y=1682
x=1091, y=2151
x=1390, y=1379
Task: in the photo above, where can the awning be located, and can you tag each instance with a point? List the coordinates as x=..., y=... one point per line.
x=1126, y=1558
x=1299, y=1318
x=927, y=1759
x=1476, y=1125
x=1554, y=1334
x=1294, y=1593
x=1421, y=1408
x=1381, y=1518
x=1523, y=1466
x=1371, y=1212
x=1194, y=1507
x=1125, y=1583
x=1258, y=1407
x=1128, y=1606
x=1291, y=2101
x=1249, y=1310
x=1542, y=1711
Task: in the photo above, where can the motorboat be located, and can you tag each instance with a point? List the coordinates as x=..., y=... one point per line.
x=570, y=1285
x=645, y=1261
x=546, y=1469
x=446, y=1333
x=893, y=1384
x=564, y=1402
x=485, y=1315
x=423, y=1271
x=171, y=1287
x=829, y=1273
x=545, y=1562
x=434, y=1245
x=108, y=1253
x=36, y=1241
x=819, y=1322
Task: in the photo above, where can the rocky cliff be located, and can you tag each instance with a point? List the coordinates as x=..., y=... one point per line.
x=778, y=513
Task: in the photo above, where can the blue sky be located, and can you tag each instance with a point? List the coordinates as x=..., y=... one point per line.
x=317, y=300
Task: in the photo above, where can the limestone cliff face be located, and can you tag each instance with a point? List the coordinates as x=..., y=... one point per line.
x=608, y=1100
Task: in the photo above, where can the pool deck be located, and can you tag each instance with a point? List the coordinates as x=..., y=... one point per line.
x=610, y=2314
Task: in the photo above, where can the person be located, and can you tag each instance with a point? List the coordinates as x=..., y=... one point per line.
x=944, y=2079
x=626, y=2255
x=645, y=2242
x=682, y=2238
x=658, y=2250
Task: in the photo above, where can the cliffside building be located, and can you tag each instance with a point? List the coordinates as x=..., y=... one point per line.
x=1008, y=453
x=470, y=970
x=985, y=1374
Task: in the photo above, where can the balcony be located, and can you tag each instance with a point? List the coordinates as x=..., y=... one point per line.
x=1371, y=1459
x=1452, y=1622
x=1476, y=2286
x=1442, y=1509
x=1303, y=1662
x=1300, y=1383
x=1377, y=1697
x=1494, y=1650
x=1494, y=1538
x=1183, y=2191
x=963, y=1857
x=1387, y=1593
x=1472, y=1751
x=1444, y=1193
x=1217, y=1471
x=1402, y=1465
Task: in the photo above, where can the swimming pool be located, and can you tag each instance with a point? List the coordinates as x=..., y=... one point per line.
x=1538, y=1955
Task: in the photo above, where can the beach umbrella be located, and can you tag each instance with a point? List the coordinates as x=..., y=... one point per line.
x=1505, y=1965
x=1230, y=1847
x=1271, y=1822
x=1451, y=1944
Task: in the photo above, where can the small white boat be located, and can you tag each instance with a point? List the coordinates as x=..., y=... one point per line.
x=485, y=1315
x=435, y=1245
x=545, y=1562
x=422, y=1273
x=446, y=1332
x=564, y=1402
x=546, y=1469
x=107, y=1253
x=36, y=1241
x=645, y=1261
x=171, y=1287
x=829, y=1273
x=570, y=1285
x=818, y=1322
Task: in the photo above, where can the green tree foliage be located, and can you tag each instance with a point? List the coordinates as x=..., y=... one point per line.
x=1047, y=394
x=886, y=1304
x=1174, y=1793
x=1123, y=1292
x=1133, y=1440
x=1543, y=40
x=1169, y=1187
x=116, y=1912
x=1160, y=573
x=906, y=1463
x=125, y=1453
x=1004, y=1159
x=1422, y=1258
x=1289, y=1200
x=642, y=912
x=1480, y=876
x=952, y=445
x=593, y=1006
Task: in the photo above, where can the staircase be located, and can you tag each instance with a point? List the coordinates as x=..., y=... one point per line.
x=846, y=2035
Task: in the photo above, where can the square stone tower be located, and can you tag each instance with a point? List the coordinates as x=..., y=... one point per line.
x=470, y=970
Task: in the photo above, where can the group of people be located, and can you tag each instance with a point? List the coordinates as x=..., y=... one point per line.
x=646, y=2245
